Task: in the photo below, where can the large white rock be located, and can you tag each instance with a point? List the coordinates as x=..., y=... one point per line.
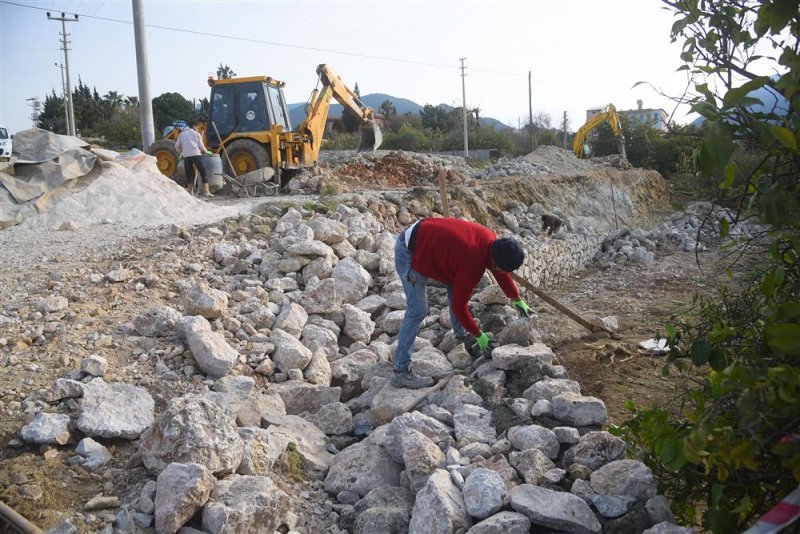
x=554, y=509
x=624, y=477
x=187, y=423
x=328, y=231
x=245, y=505
x=261, y=450
x=292, y=319
x=115, y=410
x=334, y=418
x=484, y=491
x=352, y=281
x=547, y=388
x=318, y=338
x=47, y=428
x=239, y=398
x=503, y=523
x=579, y=410
x=439, y=507
x=182, y=490
x=392, y=321
x=321, y=296
x=421, y=457
x=203, y=300
x=289, y=352
x=532, y=464
x=214, y=356
x=473, y=424
x=534, y=437
x=594, y=450
x=310, y=442
x=513, y=357
x=158, y=321
x=361, y=468
x=299, y=397
x=318, y=370
x=434, y=429
x=358, y=325
x=430, y=361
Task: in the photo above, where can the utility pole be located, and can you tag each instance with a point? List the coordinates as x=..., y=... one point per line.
x=64, y=96
x=464, y=106
x=65, y=47
x=36, y=109
x=145, y=101
x=564, y=135
x=530, y=110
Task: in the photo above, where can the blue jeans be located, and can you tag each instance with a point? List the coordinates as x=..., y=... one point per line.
x=415, y=287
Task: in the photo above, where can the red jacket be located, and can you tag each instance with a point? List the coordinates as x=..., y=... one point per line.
x=457, y=253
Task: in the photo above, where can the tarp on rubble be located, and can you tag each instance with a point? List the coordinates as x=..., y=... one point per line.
x=48, y=165
x=37, y=145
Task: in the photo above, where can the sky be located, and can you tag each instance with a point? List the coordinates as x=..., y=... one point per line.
x=581, y=53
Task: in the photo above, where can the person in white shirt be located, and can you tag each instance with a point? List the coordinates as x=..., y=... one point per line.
x=190, y=146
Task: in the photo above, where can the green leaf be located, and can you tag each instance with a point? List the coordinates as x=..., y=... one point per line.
x=784, y=136
x=717, y=359
x=679, y=25
x=724, y=227
x=784, y=337
x=788, y=310
x=737, y=96
x=730, y=174
x=701, y=350
x=781, y=13
x=703, y=89
x=718, y=142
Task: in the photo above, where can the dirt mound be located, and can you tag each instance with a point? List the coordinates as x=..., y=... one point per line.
x=558, y=160
x=395, y=170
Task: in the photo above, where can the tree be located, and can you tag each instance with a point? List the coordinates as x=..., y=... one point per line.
x=169, y=107
x=733, y=451
x=224, y=72
x=387, y=109
x=438, y=118
x=52, y=116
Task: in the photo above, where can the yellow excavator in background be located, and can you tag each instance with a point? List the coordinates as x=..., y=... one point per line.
x=610, y=116
x=248, y=116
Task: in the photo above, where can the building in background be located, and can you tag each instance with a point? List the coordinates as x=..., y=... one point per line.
x=657, y=118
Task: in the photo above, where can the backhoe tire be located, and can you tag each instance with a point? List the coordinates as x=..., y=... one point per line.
x=166, y=158
x=246, y=156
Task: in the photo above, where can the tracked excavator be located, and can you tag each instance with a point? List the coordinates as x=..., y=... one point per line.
x=608, y=115
x=248, y=117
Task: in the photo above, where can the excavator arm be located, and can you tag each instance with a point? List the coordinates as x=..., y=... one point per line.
x=610, y=116
x=319, y=106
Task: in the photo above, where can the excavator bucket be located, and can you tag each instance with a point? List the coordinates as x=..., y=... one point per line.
x=371, y=137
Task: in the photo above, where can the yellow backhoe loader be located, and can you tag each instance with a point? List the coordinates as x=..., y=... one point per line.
x=610, y=116
x=249, y=117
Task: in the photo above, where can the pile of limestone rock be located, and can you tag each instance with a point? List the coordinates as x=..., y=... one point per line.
x=692, y=230
x=279, y=353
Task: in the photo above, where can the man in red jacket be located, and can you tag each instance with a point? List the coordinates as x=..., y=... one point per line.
x=456, y=253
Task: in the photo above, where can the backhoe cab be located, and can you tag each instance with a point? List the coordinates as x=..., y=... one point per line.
x=250, y=119
x=610, y=116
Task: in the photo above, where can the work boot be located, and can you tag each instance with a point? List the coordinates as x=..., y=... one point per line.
x=408, y=379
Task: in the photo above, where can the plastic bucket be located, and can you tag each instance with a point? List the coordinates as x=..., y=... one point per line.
x=213, y=165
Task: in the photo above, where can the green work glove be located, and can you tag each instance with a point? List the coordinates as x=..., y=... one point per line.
x=484, y=341
x=209, y=153
x=522, y=307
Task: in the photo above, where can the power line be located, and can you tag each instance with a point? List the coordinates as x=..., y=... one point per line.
x=272, y=43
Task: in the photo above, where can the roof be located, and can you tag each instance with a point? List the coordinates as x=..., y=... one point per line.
x=228, y=81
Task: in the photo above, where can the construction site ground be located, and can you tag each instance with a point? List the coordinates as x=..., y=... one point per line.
x=642, y=297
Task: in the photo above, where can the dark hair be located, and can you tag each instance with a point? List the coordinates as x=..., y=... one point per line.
x=190, y=123
x=507, y=254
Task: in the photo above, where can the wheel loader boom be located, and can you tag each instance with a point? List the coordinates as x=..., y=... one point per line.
x=319, y=106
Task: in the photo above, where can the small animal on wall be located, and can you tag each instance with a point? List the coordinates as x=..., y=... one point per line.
x=551, y=223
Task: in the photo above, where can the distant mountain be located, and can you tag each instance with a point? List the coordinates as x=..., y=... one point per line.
x=771, y=101
x=297, y=112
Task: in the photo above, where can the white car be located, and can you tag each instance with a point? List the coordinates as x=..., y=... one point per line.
x=5, y=143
